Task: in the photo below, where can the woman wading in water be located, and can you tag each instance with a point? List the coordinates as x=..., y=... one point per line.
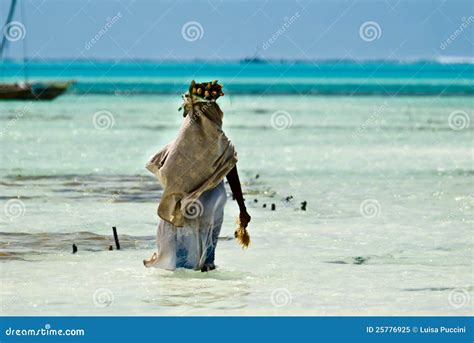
x=191, y=170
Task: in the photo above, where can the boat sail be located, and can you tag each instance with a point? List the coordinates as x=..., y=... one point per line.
x=26, y=90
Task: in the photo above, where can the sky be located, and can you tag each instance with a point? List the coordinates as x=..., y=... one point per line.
x=223, y=30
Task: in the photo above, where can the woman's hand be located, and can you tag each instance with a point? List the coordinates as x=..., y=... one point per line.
x=244, y=217
x=234, y=183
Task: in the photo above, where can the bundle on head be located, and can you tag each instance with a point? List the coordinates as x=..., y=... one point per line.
x=207, y=90
x=242, y=235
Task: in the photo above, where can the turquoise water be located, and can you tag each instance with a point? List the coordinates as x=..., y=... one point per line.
x=387, y=227
x=332, y=78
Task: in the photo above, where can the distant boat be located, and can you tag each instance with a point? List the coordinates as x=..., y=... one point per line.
x=28, y=90
x=33, y=90
x=254, y=59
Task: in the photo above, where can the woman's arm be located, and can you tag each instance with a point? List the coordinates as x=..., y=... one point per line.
x=234, y=183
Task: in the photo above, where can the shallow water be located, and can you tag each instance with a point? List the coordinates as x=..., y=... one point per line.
x=387, y=229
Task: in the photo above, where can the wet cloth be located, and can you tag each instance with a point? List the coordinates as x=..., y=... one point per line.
x=192, y=246
x=196, y=161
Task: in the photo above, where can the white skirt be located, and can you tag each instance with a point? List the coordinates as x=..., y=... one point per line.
x=192, y=246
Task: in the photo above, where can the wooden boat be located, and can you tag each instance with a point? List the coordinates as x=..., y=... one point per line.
x=49, y=91
x=13, y=91
x=33, y=91
x=28, y=90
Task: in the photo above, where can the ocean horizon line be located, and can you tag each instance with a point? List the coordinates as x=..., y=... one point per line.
x=251, y=60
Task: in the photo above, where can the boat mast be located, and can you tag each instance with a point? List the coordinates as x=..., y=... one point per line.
x=23, y=43
x=4, y=41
